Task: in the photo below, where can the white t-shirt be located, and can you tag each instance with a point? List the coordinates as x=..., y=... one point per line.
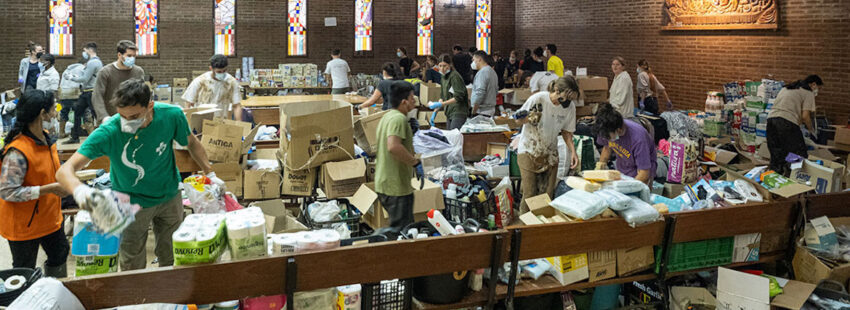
x=338, y=69
x=204, y=89
x=540, y=80
x=542, y=139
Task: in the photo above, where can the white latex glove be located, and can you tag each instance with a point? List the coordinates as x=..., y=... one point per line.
x=215, y=180
x=81, y=196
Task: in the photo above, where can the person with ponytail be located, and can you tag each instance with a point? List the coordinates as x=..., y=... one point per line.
x=795, y=104
x=454, y=98
x=30, y=197
x=391, y=73
x=650, y=89
x=629, y=140
x=545, y=116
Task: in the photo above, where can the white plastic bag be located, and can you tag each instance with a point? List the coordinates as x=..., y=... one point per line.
x=617, y=201
x=639, y=213
x=580, y=204
x=563, y=159
x=205, y=198
x=482, y=124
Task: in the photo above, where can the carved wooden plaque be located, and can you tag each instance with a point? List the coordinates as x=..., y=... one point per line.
x=721, y=14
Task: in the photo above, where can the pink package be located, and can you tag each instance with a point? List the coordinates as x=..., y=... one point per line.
x=231, y=204
x=277, y=302
x=677, y=162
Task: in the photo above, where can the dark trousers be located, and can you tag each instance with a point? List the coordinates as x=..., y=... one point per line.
x=784, y=137
x=67, y=106
x=400, y=210
x=456, y=122
x=83, y=104
x=24, y=253
x=650, y=104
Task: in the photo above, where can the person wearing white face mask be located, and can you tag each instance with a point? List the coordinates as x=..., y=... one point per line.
x=111, y=76
x=407, y=65
x=794, y=104
x=632, y=143
x=140, y=146
x=88, y=80
x=485, y=86
x=216, y=87
x=453, y=95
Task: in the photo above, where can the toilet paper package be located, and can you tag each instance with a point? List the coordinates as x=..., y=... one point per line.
x=579, y=204
x=201, y=238
x=348, y=297
x=94, y=253
x=316, y=300
x=246, y=233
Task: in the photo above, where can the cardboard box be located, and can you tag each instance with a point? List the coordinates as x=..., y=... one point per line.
x=539, y=206
x=197, y=73
x=840, y=169
x=424, y=118
x=842, y=134
x=425, y=199
x=370, y=171
x=316, y=132
x=162, y=93
x=342, y=179
x=720, y=156
x=746, y=248
x=569, y=269
x=521, y=95
x=366, y=132
x=180, y=82
x=787, y=191
x=630, y=261
x=197, y=116
x=586, y=110
x=512, y=123
x=672, y=190
x=682, y=296
x=593, y=89
x=177, y=96
x=823, y=179
x=298, y=183
x=744, y=291
x=429, y=92
x=279, y=219
x=602, y=265
x=808, y=268
x=262, y=184
x=231, y=174
x=223, y=140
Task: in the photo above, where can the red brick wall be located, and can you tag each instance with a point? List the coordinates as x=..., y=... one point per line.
x=814, y=38
x=186, y=32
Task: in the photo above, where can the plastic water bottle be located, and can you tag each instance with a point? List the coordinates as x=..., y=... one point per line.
x=440, y=223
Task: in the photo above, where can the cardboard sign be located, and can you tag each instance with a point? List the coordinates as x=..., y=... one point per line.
x=262, y=184
x=231, y=174
x=366, y=132
x=316, y=132
x=342, y=179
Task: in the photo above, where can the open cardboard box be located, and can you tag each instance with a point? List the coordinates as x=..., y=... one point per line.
x=231, y=174
x=366, y=132
x=279, y=219
x=739, y=290
x=226, y=141
x=316, y=132
x=787, y=191
x=521, y=95
x=343, y=178
x=824, y=179
x=429, y=92
x=197, y=115
x=808, y=268
x=374, y=215
x=539, y=206
x=593, y=89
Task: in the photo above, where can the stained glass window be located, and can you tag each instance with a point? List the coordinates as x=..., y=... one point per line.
x=61, y=19
x=297, y=27
x=425, y=28
x=225, y=27
x=146, y=13
x=483, y=27
x=362, y=25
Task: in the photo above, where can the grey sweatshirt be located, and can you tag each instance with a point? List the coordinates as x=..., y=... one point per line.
x=89, y=77
x=485, y=87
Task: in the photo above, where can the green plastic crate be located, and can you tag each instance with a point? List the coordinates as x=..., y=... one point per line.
x=697, y=254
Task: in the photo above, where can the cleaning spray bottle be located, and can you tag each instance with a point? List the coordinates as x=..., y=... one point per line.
x=440, y=223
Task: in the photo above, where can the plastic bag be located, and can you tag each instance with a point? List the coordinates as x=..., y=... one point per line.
x=206, y=197
x=639, y=213
x=482, y=124
x=673, y=205
x=563, y=159
x=679, y=123
x=684, y=160
x=323, y=211
x=625, y=186
x=111, y=211
x=579, y=204
x=616, y=201
x=504, y=202
x=424, y=141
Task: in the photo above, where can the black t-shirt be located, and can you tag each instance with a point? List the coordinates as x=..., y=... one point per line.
x=384, y=88
x=462, y=64
x=32, y=75
x=500, y=68
x=533, y=66
x=405, y=64
x=433, y=75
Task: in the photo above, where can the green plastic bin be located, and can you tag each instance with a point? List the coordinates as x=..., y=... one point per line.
x=697, y=254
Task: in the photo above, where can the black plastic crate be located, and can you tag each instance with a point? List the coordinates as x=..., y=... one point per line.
x=388, y=295
x=352, y=220
x=458, y=210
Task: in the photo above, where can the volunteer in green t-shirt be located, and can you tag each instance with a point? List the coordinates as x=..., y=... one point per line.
x=395, y=158
x=139, y=144
x=453, y=95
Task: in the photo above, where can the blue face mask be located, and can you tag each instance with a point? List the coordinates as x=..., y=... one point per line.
x=86, y=56
x=129, y=61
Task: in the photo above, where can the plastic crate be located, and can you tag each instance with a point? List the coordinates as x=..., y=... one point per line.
x=352, y=220
x=458, y=211
x=393, y=294
x=698, y=254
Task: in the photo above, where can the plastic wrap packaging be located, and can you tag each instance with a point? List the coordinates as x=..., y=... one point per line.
x=504, y=202
x=482, y=124
x=673, y=205
x=684, y=160
x=111, y=211
x=246, y=233
x=639, y=213
x=535, y=268
x=616, y=201
x=580, y=204
x=629, y=185
x=679, y=123
x=748, y=191
x=206, y=197
x=315, y=300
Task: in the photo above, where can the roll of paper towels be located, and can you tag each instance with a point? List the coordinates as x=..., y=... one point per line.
x=285, y=244
x=237, y=229
x=306, y=242
x=257, y=226
x=328, y=239
x=14, y=282
x=183, y=235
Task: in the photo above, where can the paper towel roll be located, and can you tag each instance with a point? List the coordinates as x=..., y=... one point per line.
x=307, y=241
x=14, y=282
x=183, y=235
x=349, y=297
x=285, y=244
x=237, y=229
x=328, y=239
x=257, y=226
x=205, y=235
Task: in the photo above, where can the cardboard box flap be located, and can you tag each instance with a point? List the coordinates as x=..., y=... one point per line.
x=345, y=170
x=791, y=190
x=364, y=199
x=538, y=202
x=738, y=290
x=794, y=295
x=248, y=140
x=303, y=114
x=682, y=295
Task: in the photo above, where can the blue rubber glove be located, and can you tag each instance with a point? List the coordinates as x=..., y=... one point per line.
x=433, y=116
x=435, y=105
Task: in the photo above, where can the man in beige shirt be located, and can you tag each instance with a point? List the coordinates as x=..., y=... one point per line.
x=793, y=104
x=216, y=87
